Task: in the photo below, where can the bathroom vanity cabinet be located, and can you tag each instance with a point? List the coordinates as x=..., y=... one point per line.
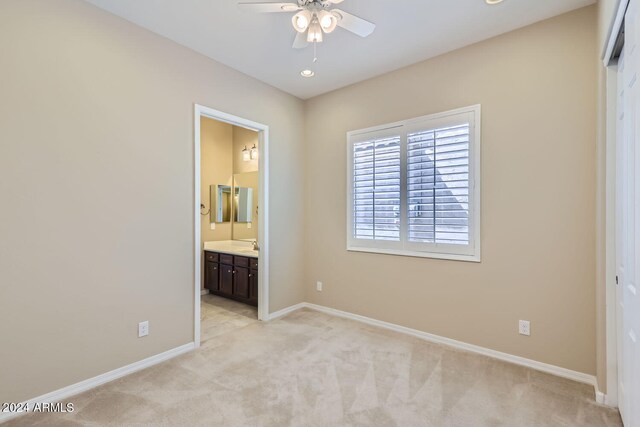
x=232, y=276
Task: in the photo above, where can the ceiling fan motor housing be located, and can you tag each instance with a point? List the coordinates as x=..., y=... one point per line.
x=321, y=3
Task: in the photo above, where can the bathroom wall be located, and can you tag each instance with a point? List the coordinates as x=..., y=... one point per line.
x=244, y=138
x=216, y=168
x=243, y=170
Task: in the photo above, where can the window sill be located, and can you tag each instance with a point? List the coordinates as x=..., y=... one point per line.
x=450, y=257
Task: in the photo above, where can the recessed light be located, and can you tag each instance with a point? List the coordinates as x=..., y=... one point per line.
x=307, y=73
x=493, y=1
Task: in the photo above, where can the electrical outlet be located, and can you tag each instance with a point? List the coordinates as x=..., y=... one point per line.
x=524, y=327
x=143, y=329
x=213, y=226
x=249, y=225
x=319, y=286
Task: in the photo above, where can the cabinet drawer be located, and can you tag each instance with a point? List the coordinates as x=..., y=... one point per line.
x=211, y=256
x=241, y=261
x=226, y=259
x=253, y=263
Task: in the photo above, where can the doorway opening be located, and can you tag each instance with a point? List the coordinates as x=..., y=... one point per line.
x=231, y=216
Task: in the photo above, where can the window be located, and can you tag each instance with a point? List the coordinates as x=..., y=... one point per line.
x=414, y=187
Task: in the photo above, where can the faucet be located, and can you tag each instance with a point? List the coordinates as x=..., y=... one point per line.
x=256, y=246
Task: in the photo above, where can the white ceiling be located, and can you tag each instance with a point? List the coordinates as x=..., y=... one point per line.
x=408, y=31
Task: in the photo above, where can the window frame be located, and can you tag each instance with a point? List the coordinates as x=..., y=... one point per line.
x=403, y=247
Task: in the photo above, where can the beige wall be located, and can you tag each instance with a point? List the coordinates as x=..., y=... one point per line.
x=216, y=168
x=244, y=171
x=537, y=90
x=606, y=14
x=97, y=216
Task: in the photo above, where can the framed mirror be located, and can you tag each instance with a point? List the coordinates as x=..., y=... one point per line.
x=245, y=206
x=221, y=203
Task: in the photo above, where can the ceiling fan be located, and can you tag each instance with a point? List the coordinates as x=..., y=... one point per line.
x=314, y=18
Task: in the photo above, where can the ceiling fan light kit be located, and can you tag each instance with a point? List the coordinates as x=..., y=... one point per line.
x=315, y=18
x=301, y=21
x=314, y=33
x=328, y=21
x=315, y=22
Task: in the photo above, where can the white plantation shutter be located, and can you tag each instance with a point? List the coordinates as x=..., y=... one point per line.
x=376, y=189
x=414, y=187
x=438, y=185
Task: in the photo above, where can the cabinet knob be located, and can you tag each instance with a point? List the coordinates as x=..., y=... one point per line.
x=234, y=272
x=250, y=274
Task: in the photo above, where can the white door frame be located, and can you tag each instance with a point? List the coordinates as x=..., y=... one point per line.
x=610, y=177
x=263, y=212
x=610, y=264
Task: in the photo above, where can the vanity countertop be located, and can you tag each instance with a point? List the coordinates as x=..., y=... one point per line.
x=232, y=247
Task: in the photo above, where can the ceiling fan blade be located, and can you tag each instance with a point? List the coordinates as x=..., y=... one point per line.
x=335, y=1
x=354, y=24
x=269, y=7
x=300, y=41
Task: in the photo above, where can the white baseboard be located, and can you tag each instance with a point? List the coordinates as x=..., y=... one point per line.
x=204, y=292
x=605, y=399
x=82, y=386
x=533, y=364
x=285, y=311
x=90, y=383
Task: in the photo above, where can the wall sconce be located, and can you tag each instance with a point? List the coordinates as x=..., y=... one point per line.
x=254, y=152
x=246, y=156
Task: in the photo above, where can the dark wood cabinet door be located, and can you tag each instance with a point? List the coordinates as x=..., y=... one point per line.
x=231, y=276
x=241, y=282
x=253, y=286
x=212, y=277
x=226, y=279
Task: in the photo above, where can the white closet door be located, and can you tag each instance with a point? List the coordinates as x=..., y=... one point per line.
x=628, y=221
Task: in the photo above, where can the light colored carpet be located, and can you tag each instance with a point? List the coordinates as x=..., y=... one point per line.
x=311, y=369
